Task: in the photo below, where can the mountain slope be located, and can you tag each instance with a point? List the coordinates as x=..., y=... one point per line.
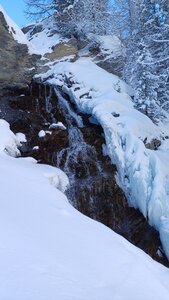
x=48, y=249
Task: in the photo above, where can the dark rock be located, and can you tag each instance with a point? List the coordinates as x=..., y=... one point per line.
x=153, y=145
x=28, y=28
x=113, y=65
x=82, y=44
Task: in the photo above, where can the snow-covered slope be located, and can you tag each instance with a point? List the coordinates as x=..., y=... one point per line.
x=50, y=251
x=44, y=39
x=143, y=174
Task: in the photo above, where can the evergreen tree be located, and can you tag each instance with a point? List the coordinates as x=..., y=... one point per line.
x=147, y=61
x=65, y=16
x=82, y=17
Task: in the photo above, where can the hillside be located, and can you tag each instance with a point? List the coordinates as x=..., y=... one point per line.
x=67, y=111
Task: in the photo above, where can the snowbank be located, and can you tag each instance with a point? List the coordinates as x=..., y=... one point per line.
x=51, y=251
x=143, y=174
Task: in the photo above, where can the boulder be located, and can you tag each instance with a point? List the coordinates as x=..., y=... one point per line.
x=34, y=29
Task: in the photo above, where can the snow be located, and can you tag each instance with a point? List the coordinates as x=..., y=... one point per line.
x=41, y=133
x=142, y=173
x=110, y=45
x=45, y=40
x=21, y=137
x=57, y=125
x=14, y=29
x=51, y=251
x=35, y=148
x=8, y=141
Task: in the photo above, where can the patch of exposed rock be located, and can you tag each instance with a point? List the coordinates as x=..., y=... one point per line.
x=111, y=63
x=63, y=49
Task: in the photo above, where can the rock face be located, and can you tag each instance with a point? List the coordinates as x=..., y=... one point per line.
x=114, y=65
x=15, y=60
x=63, y=49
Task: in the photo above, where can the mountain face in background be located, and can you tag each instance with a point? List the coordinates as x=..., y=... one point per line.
x=15, y=60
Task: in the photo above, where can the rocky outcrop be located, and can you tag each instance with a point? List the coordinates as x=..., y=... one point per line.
x=113, y=65
x=16, y=64
x=63, y=49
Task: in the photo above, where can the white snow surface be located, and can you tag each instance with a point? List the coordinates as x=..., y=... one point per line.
x=109, y=45
x=21, y=137
x=57, y=125
x=46, y=39
x=143, y=174
x=51, y=251
x=41, y=133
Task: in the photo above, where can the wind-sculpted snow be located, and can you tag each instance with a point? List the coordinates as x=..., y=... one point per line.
x=51, y=251
x=142, y=173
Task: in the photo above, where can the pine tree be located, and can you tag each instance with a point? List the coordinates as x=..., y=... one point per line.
x=81, y=17
x=96, y=13
x=65, y=16
x=148, y=60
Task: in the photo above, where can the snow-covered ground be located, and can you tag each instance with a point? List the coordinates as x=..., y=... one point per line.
x=51, y=251
x=143, y=174
x=48, y=250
